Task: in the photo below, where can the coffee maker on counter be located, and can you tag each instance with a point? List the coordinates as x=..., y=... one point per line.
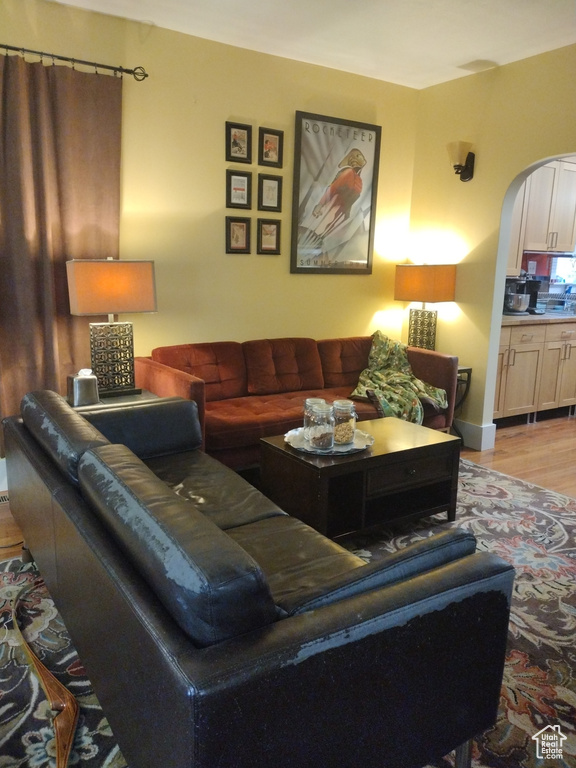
x=521, y=296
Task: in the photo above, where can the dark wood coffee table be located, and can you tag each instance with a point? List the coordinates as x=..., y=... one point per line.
x=409, y=472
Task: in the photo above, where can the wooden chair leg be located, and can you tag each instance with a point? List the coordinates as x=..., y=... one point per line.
x=464, y=755
x=61, y=701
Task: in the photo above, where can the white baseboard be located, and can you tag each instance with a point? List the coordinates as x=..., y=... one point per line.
x=476, y=436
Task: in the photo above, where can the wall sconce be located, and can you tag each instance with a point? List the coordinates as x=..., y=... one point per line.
x=425, y=283
x=110, y=287
x=462, y=159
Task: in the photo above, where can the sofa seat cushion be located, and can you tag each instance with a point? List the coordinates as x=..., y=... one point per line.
x=59, y=429
x=220, y=364
x=282, y=365
x=242, y=421
x=212, y=587
x=296, y=559
x=222, y=495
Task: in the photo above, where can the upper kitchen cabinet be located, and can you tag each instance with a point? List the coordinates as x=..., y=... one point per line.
x=517, y=234
x=550, y=208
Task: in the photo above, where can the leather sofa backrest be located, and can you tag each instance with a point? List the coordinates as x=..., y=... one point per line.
x=212, y=588
x=343, y=360
x=282, y=365
x=61, y=431
x=220, y=364
x=152, y=428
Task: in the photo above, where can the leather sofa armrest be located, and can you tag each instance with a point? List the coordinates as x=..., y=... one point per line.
x=390, y=657
x=165, y=381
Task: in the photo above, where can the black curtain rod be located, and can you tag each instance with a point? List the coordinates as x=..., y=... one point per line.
x=138, y=73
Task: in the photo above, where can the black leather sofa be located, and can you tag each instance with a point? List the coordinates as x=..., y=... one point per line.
x=219, y=631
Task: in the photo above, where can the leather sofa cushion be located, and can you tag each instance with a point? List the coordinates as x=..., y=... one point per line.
x=344, y=359
x=212, y=588
x=59, y=429
x=152, y=428
x=296, y=559
x=223, y=496
x=282, y=365
x=219, y=364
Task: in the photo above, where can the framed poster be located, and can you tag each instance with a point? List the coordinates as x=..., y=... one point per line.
x=270, y=147
x=334, y=195
x=269, y=192
x=237, y=235
x=238, y=189
x=268, y=240
x=238, y=143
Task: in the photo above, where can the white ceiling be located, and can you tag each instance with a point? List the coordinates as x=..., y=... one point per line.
x=416, y=43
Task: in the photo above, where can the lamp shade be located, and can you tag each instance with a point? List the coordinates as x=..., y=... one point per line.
x=425, y=282
x=110, y=286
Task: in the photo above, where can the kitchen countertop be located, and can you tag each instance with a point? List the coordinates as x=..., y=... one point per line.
x=546, y=319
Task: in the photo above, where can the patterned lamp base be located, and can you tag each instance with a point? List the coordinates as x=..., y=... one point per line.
x=112, y=351
x=422, y=328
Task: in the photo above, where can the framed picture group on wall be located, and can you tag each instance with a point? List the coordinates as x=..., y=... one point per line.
x=239, y=188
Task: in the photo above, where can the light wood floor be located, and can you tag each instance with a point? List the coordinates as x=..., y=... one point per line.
x=543, y=453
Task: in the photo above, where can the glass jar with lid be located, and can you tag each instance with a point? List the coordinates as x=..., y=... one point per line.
x=309, y=403
x=321, y=430
x=344, y=422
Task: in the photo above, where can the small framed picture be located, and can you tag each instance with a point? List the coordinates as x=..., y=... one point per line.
x=269, y=192
x=237, y=235
x=238, y=189
x=238, y=143
x=270, y=147
x=269, y=236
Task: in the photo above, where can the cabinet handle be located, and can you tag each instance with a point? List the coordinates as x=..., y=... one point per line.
x=411, y=472
x=527, y=336
x=566, y=334
x=512, y=358
x=552, y=240
x=567, y=351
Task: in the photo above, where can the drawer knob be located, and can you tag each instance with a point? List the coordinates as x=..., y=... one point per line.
x=411, y=472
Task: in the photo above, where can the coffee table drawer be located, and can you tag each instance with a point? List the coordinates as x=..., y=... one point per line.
x=404, y=473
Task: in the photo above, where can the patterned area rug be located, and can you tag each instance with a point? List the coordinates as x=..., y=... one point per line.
x=531, y=527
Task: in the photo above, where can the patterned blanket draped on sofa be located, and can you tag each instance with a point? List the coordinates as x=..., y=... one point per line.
x=390, y=376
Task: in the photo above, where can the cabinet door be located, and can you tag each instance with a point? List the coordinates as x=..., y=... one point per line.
x=539, y=207
x=563, y=222
x=501, y=381
x=551, y=374
x=517, y=234
x=567, y=387
x=523, y=378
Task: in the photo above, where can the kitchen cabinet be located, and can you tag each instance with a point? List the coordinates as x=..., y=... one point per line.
x=519, y=370
x=558, y=377
x=549, y=211
x=517, y=234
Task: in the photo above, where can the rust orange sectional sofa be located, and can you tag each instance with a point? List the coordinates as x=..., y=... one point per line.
x=253, y=389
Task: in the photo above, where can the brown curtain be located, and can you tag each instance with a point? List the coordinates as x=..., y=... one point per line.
x=59, y=199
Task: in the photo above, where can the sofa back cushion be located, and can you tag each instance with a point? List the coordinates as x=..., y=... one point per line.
x=282, y=365
x=343, y=360
x=59, y=429
x=152, y=428
x=212, y=588
x=220, y=364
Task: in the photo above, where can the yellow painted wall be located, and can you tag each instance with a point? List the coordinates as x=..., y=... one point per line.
x=515, y=116
x=173, y=181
